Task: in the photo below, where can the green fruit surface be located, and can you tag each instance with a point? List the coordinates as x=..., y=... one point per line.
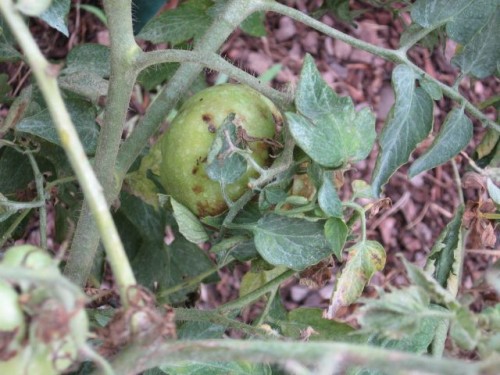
x=186, y=144
x=11, y=315
x=28, y=256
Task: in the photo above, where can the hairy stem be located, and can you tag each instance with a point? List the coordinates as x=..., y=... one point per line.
x=45, y=76
x=212, y=61
x=362, y=215
x=138, y=358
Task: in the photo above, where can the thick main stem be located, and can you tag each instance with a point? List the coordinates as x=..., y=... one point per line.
x=93, y=192
x=124, y=51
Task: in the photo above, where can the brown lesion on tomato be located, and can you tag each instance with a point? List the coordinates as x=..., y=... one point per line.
x=194, y=170
x=261, y=141
x=205, y=209
x=208, y=119
x=197, y=189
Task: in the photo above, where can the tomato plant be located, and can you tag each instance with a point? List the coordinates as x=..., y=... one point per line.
x=259, y=185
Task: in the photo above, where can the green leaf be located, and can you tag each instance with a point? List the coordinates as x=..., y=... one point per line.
x=144, y=10
x=304, y=319
x=365, y=258
x=430, y=41
x=443, y=260
x=216, y=368
x=361, y=189
x=464, y=329
x=57, y=15
x=409, y=122
x=480, y=55
x=493, y=191
x=152, y=371
x=295, y=243
x=432, y=13
x=8, y=53
x=156, y=74
x=239, y=247
x=223, y=164
x=18, y=109
x=83, y=115
x=328, y=198
x=431, y=88
x=489, y=146
x=189, y=225
x=157, y=265
x=5, y=211
x=15, y=170
x=473, y=24
x=327, y=127
x=430, y=285
x=198, y=330
x=396, y=314
x=418, y=342
x=142, y=182
x=254, y=280
x=86, y=84
x=454, y=135
x=88, y=58
x=4, y=87
x=187, y=21
x=336, y=232
x=254, y=24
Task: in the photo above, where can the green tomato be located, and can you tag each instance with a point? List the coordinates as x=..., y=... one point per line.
x=186, y=144
x=11, y=315
x=28, y=256
x=27, y=361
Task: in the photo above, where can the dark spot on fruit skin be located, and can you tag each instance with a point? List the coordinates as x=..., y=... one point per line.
x=261, y=146
x=197, y=189
x=206, y=117
x=194, y=170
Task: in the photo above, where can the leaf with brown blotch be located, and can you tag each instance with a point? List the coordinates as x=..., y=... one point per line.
x=365, y=258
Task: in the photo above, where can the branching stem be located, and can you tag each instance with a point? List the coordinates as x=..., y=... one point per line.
x=45, y=76
x=215, y=62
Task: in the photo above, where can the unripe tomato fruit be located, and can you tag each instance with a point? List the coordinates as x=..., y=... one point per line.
x=186, y=144
x=28, y=256
x=11, y=315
